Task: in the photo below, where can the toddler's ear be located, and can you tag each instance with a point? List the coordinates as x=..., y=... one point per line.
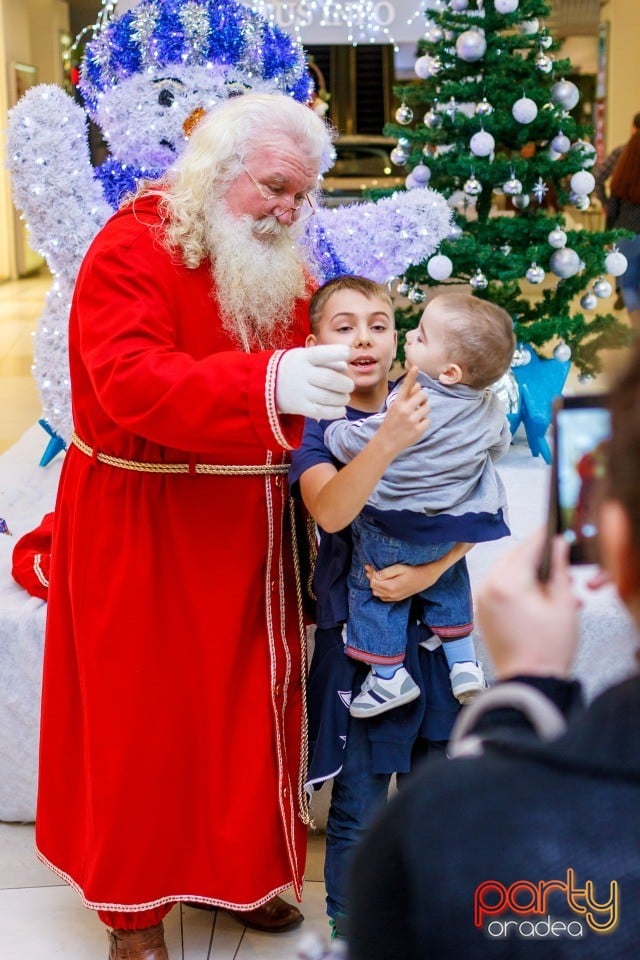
x=311, y=341
x=451, y=375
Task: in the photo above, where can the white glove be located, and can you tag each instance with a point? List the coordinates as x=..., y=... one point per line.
x=312, y=383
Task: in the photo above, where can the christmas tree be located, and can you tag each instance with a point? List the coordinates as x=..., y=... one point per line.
x=490, y=126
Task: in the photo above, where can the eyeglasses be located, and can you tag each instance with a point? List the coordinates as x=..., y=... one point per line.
x=302, y=210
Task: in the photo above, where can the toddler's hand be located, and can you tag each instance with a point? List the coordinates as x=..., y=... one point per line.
x=407, y=418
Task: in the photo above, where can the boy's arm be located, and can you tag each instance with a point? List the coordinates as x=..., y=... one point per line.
x=400, y=581
x=335, y=497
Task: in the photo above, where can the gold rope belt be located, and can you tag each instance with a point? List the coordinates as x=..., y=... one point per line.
x=252, y=469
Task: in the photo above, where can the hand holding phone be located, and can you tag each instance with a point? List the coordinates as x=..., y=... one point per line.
x=580, y=431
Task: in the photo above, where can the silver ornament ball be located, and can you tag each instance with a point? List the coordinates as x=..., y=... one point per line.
x=521, y=356
x=479, y=281
x=528, y=27
x=472, y=186
x=403, y=288
x=507, y=391
x=565, y=94
x=455, y=232
x=535, y=274
x=521, y=202
x=404, y=114
x=484, y=108
x=458, y=6
x=588, y=301
x=432, y=119
x=564, y=263
x=416, y=295
x=561, y=143
x=398, y=157
x=602, y=288
x=544, y=62
x=588, y=152
x=512, y=187
x=562, y=352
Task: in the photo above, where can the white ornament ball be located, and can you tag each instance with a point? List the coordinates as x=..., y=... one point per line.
x=553, y=154
x=562, y=352
x=471, y=45
x=439, y=267
x=410, y=182
x=458, y=5
x=524, y=110
x=589, y=301
x=421, y=174
x=422, y=67
x=482, y=144
x=616, y=263
x=557, y=238
x=434, y=34
x=561, y=143
x=583, y=182
x=564, y=262
x=565, y=94
x=506, y=6
x=529, y=27
x=602, y=288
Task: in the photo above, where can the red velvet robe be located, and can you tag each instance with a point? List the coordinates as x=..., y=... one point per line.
x=171, y=709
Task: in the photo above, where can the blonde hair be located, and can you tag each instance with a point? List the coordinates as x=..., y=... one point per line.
x=215, y=156
x=480, y=335
x=368, y=288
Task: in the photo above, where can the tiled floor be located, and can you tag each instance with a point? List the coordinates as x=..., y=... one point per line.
x=43, y=919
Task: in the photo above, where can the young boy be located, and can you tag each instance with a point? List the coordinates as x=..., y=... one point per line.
x=360, y=757
x=442, y=489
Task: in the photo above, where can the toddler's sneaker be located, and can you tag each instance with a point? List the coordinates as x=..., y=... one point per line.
x=379, y=694
x=467, y=680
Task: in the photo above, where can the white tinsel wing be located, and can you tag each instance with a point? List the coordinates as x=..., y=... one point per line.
x=52, y=178
x=379, y=240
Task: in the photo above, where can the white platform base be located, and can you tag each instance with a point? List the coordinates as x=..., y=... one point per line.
x=27, y=492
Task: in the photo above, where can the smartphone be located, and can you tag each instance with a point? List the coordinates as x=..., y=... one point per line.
x=581, y=428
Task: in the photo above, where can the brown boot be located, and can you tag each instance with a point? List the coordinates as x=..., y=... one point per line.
x=146, y=944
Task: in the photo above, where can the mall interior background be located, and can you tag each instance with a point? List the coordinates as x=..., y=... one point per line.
x=34, y=35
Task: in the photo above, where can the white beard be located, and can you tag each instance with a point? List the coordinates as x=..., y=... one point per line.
x=258, y=273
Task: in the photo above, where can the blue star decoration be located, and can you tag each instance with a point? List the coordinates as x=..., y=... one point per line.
x=54, y=447
x=539, y=381
x=540, y=190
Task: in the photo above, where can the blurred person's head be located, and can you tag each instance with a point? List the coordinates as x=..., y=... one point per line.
x=625, y=182
x=620, y=511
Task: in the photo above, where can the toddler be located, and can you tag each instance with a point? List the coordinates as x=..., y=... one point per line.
x=441, y=490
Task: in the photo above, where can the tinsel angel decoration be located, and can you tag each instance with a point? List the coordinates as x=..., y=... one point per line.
x=145, y=78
